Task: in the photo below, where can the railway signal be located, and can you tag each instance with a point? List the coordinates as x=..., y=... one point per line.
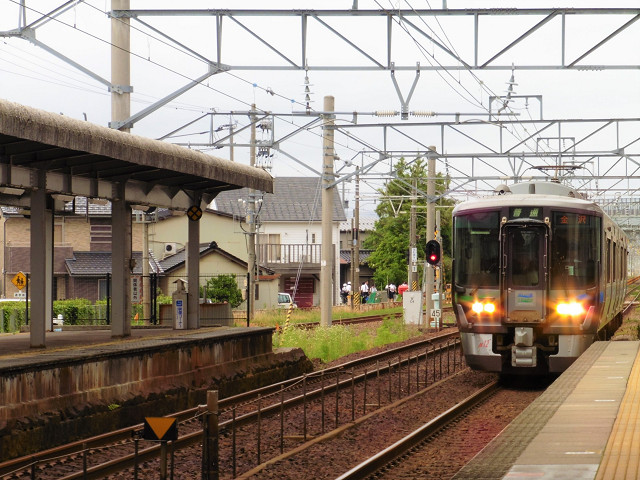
x=433, y=252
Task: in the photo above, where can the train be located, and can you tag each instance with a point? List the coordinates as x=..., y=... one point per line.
x=538, y=274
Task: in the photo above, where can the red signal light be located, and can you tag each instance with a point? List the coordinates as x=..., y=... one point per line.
x=433, y=252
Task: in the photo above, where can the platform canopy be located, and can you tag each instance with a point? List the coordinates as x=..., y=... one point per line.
x=79, y=158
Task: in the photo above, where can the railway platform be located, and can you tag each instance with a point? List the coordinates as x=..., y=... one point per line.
x=586, y=425
x=84, y=376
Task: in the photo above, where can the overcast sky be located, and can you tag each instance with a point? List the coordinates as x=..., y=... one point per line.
x=34, y=77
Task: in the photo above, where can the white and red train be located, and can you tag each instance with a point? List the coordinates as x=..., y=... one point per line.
x=538, y=274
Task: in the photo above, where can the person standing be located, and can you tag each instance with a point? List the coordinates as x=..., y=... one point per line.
x=391, y=291
x=364, y=291
x=344, y=293
x=403, y=288
x=373, y=291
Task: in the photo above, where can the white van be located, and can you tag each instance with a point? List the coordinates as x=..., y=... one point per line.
x=284, y=300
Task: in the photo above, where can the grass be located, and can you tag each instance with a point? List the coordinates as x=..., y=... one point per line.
x=330, y=343
x=630, y=327
x=277, y=318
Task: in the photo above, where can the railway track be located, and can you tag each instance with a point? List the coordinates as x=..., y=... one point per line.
x=78, y=459
x=383, y=459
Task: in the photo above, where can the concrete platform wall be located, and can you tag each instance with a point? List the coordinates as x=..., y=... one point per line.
x=163, y=374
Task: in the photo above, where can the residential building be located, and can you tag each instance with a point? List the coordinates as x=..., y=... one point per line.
x=78, y=227
x=289, y=239
x=215, y=261
x=366, y=225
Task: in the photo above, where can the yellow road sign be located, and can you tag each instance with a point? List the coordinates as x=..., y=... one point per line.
x=20, y=280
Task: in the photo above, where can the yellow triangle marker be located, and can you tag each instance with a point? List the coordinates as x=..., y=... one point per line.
x=160, y=426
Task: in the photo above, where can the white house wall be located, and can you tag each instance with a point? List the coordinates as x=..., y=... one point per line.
x=230, y=238
x=299, y=233
x=221, y=229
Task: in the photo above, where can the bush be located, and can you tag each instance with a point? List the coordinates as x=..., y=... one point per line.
x=223, y=288
x=13, y=316
x=78, y=311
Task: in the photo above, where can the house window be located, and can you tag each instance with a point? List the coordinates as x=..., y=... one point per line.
x=313, y=238
x=100, y=237
x=102, y=289
x=270, y=244
x=257, y=294
x=100, y=233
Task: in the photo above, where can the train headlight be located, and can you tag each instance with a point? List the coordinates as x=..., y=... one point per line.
x=570, y=308
x=479, y=307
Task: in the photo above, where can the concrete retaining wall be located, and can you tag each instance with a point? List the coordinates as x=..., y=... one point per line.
x=162, y=374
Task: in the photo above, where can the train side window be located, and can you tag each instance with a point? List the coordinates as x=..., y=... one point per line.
x=614, y=275
x=608, y=253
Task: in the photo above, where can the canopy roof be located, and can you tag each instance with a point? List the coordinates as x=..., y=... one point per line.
x=78, y=158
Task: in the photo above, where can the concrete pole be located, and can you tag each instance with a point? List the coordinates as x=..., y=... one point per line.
x=146, y=279
x=212, y=468
x=251, y=264
x=121, y=265
x=431, y=221
x=355, y=260
x=120, y=64
x=41, y=260
x=231, y=141
x=326, y=261
x=193, y=274
x=120, y=210
x=413, y=273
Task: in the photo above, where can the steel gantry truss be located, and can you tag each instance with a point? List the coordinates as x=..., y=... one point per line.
x=475, y=151
x=390, y=21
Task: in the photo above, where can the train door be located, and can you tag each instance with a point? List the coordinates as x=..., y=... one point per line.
x=524, y=268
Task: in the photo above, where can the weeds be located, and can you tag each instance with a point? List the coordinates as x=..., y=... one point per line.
x=329, y=343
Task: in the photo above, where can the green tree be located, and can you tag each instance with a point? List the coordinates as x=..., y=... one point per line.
x=389, y=241
x=223, y=288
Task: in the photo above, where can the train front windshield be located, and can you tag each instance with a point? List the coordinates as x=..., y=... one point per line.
x=573, y=257
x=575, y=250
x=474, y=233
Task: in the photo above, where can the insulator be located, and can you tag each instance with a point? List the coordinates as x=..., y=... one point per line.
x=423, y=113
x=385, y=113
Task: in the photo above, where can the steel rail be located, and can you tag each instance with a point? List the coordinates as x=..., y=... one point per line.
x=386, y=456
x=129, y=461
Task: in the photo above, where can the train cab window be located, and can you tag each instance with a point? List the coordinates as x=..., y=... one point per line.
x=525, y=245
x=477, y=249
x=575, y=250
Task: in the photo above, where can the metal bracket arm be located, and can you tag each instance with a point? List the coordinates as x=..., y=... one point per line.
x=404, y=115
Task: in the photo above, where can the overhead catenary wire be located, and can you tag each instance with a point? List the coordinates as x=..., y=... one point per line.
x=431, y=59
x=139, y=56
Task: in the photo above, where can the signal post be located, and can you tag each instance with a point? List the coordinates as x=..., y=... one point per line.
x=431, y=190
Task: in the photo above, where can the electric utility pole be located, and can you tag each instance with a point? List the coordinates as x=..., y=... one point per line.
x=326, y=259
x=355, y=249
x=251, y=264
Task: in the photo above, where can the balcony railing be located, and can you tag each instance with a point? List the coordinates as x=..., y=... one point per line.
x=280, y=253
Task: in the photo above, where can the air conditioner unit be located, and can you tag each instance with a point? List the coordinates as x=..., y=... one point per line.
x=170, y=248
